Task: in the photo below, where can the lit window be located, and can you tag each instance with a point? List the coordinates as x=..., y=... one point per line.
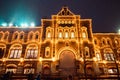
x=32, y=53
x=49, y=35
x=84, y=35
x=15, y=53
x=66, y=34
x=98, y=57
x=60, y=34
x=109, y=56
x=72, y=34
x=47, y=52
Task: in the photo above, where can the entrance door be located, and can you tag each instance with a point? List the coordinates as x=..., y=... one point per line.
x=67, y=63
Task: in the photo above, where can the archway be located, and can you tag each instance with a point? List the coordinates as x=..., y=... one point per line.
x=67, y=63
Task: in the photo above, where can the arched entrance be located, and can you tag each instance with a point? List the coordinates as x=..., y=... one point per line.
x=67, y=63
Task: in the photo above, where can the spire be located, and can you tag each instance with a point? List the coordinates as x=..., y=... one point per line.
x=65, y=12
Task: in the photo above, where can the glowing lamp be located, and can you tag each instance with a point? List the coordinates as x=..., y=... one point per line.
x=4, y=24
x=10, y=24
x=32, y=24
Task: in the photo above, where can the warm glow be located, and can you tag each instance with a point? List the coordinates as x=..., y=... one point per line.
x=60, y=35
x=21, y=59
x=3, y=59
x=95, y=59
x=40, y=59
x=104, y=62
x=81, y=59
x=53, y=59
x=66, y=34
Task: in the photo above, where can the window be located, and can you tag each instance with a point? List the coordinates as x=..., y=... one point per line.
x=72, y=34
x=109, y=56
x=15, y=53
x=32, y=53
x=84, y=35
x=49, y=35
x=98, y=56
x=36, y=36
x=16, y=36
x=66, y=34
x=60, y=35
x=6, y=36
x=21, y=36
x=95, y=41
x=86, y=51
x=47, y=52
x=112, y=70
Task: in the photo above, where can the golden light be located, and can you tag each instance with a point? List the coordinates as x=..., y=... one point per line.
x=40, y=59
x=53, y=59
x=3, y=59
x=81, y=59
x=104, y=62
x=21, y=59
x=95, y=59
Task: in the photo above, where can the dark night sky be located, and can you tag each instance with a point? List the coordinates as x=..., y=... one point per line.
x=105, y=14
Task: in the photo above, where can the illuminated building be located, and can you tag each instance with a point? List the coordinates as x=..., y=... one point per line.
x=64, y=44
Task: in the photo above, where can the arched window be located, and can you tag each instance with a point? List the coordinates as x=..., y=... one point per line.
x=72, y=34
x=86, y=52
x=21, y=36
x=30, y=36
x=15, y=36
x=36, y=36
x=47, y=52
x=98, y=56
x=48, y=34
x=84, y=35
x=15, y=51
x=32, y=51
x=60, y=34
x=95, y=41
x=6, y=36
x=108, y=55
x=66, y=34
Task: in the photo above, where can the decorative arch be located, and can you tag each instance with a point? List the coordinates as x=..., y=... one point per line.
x=21, y=35
x=11, y=65
x=15, y=35
x=6, y=35
x=109, y=42
x=36, y=35
x=67, y=48
x=30, y=35
x=31, y=51
x=98, y=54
x=103, y=41
x=15, y=51
x=84, y=33
x=108, y=54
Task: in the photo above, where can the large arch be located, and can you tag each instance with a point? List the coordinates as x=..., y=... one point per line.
x=67, y=58
x=67, y=48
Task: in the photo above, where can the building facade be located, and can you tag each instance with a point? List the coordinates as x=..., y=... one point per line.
x=64, y=45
